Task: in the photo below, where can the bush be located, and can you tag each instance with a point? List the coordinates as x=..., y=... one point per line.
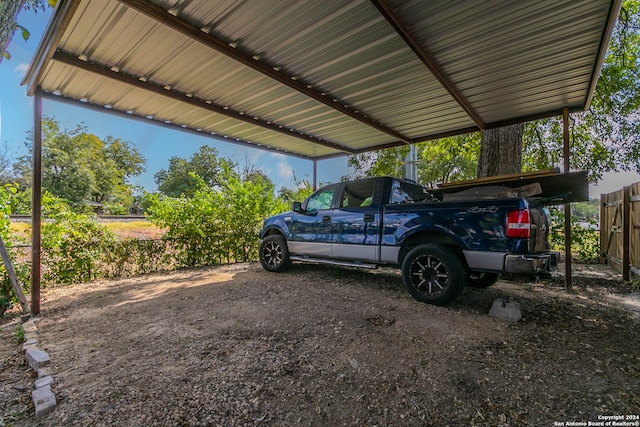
x=7, y=295
x=215, y=225
x=585, y=237
x=133, y=256
x=74, y=247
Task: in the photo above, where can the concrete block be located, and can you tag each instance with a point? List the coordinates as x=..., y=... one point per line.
x=506, y=310
x=29, y=327
x=44, y=401
x=26, y=348
x=44, y=372
x=37, y=358
x=44, y=381
x=29, y=343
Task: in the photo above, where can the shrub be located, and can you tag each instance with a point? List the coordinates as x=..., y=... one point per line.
x=7, y=295
x=585, y=237
x=215, y=225
x=74, y=247
x=129, y=257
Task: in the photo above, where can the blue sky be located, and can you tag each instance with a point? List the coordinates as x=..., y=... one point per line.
x=157, y=144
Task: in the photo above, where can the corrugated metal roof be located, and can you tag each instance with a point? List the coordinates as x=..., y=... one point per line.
x=317, y=79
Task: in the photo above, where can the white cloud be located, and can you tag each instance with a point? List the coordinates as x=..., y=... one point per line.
x=284, y=169
x=21, y=68
x=254, y=156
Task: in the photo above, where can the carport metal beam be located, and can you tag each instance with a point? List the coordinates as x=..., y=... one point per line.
x=427, y=60
x=158, y=14
x=132, y=115
x=136, y=81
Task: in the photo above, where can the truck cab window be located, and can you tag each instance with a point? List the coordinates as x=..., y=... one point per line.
x=357, y=194
x=321, y=200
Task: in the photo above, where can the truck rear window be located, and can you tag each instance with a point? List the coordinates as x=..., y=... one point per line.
x=406, y=192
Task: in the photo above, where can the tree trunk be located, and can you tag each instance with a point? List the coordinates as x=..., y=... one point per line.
x=501, y=151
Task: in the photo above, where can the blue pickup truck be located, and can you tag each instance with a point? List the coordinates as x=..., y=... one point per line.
x=440, y=241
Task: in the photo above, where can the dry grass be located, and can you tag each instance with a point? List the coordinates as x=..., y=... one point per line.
x=135, y=229
x=123, y=229
x=20, y=228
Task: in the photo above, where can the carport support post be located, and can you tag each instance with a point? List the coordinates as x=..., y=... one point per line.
x=36, y=207
x=567, y=206
x=626, y=233
x=315, y=174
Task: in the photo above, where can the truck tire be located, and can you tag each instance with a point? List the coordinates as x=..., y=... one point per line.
x=481, y=279
x=274, y=253
x=433, y=274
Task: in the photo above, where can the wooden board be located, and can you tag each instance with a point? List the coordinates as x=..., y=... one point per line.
x=557, y=188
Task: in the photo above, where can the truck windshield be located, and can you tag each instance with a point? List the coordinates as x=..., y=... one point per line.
x=406, y=192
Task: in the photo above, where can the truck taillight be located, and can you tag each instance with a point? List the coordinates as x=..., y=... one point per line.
x=518, y=224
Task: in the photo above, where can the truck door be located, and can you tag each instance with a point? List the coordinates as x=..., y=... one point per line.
x=356, y=222
x=311, y=230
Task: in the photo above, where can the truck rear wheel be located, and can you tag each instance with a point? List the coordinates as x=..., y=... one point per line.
x=433, y=274
x=274, y=253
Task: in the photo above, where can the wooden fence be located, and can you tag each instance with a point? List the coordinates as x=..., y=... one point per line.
x=620, y=230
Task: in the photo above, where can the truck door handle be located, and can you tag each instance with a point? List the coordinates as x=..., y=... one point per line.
x=369, y=217
x=326, y=218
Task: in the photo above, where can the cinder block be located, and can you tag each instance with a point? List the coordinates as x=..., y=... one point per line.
x=30, y=343
x=37, y=358
x=44, y=381
x=506, y=310
x=29, y=327
x=44, y=372
x=44, y=401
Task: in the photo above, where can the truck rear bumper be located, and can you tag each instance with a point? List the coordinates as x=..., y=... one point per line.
x=531, y=264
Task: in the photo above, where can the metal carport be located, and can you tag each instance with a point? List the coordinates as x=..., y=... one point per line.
x=317, y=79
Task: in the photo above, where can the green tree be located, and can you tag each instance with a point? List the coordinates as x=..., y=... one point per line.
x=501, y=151
x=127, y=159
x=78, y=166
x=378, y=163
x=448, y=159
x=9, y=10
x=442, y=160
x=180, y=178
x=301, y=191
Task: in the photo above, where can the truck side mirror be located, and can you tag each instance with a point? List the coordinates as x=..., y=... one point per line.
x=297, y=207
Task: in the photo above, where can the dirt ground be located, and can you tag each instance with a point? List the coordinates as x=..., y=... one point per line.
x=325, y=346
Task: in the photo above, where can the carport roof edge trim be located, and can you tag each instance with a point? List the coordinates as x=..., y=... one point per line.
x=616, y=6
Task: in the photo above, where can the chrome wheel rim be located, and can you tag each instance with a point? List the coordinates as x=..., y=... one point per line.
x=429, y=275
x=273, y=254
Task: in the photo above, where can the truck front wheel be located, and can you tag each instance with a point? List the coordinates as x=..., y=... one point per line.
x=433, y=274
x=274, y=253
